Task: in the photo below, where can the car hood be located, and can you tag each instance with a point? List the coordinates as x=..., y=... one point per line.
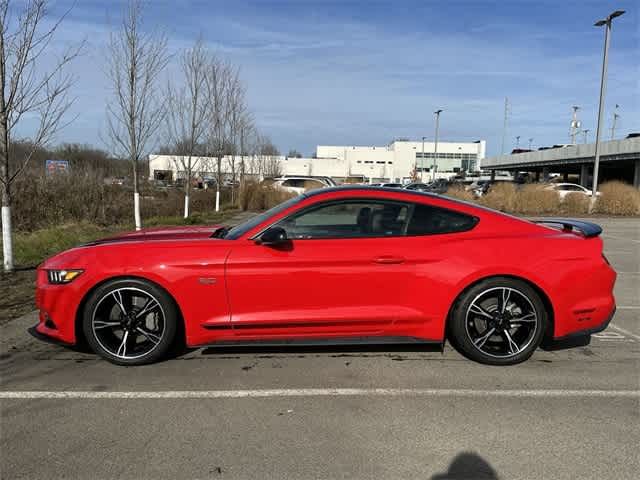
x=161, y=233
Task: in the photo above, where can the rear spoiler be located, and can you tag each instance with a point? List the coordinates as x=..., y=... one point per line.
x=587, y=229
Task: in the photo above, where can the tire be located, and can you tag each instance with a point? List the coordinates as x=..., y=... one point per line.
x=489, y=330
x=130, y=322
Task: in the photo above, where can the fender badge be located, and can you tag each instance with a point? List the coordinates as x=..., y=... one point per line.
x=207, y=280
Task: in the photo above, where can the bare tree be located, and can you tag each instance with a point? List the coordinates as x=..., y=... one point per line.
x=270, y=157
x=27, y=92
x=136, y=60
x=246, y=130
x=220, y=78
x=238, y=119
x=187, y=112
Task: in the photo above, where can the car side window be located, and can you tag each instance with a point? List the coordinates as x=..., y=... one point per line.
x=429, y=220
x=293, y=183
x=349, y=219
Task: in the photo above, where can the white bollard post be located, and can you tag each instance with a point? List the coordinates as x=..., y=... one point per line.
x=217, y=200
x=7, y=247
x=136, y=208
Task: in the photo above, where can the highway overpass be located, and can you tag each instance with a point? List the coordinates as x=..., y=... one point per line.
x=619, y=160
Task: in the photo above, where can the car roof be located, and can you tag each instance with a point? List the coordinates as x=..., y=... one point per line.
x=366, y=188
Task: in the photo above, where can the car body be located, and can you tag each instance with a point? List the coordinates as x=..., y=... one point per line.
x=346, y=262
x=299, y=185
x=565, y=189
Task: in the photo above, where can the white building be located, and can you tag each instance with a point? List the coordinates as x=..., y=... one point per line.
x=395, y=162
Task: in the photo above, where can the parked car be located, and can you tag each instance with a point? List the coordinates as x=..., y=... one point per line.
x=480, y=188
x=565, y=189
x=300, y=185
x=347, y=262
x=440, y=185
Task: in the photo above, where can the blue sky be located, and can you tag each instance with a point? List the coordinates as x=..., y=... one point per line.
x=365, y=72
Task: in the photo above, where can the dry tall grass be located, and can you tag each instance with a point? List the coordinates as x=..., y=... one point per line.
x=536, y=200
x=459, y=192
x=256, y=196
x=575, y=204
x=501, y=196
x=618, y=198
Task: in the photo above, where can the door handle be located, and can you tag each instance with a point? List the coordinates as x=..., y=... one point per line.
x=388, y=260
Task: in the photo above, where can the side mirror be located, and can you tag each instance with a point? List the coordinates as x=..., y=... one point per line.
x=273, y=236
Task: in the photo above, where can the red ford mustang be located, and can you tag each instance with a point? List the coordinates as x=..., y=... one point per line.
x=353, y=263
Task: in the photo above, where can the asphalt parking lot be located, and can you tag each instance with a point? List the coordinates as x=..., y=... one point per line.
x=331, y=412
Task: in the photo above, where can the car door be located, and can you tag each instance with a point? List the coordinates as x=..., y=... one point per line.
x=345, y=271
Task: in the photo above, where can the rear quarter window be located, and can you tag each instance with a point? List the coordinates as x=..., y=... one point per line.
x=429, y=220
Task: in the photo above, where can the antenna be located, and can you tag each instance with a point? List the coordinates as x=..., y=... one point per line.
x=504, y=126
x=575, y=124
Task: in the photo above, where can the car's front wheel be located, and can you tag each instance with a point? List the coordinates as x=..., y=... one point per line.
x=130, y=322
x=499, y=321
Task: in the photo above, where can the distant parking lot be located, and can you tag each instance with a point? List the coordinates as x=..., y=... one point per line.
x=331, y=412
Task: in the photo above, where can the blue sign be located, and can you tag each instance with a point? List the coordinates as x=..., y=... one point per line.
x=56, y=166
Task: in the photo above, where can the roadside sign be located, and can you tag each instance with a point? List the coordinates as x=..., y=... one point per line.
x=56, y=166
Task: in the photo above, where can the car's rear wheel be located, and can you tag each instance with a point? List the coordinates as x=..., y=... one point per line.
x=499, y=321
x=130, y=322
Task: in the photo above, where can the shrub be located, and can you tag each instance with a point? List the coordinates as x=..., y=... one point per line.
x=618, y=198
x=459, y=192
x=82, y=196
x=256, y=196
x=501, y=196
x=536, y=200
x=575, y=204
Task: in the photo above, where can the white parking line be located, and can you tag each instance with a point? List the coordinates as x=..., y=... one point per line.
x=628, y=307
x=625, y=332
x=318, y=392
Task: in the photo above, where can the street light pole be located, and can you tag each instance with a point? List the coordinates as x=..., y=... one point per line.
x=421, y=162
x=435, y=148
x=530, y=142
x=603, y=85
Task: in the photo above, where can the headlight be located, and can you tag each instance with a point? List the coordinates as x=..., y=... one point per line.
x=58, y=277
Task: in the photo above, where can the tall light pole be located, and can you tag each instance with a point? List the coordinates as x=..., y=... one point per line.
x=615, y=120
x=603, y=85
x=422, y=162
x=585, y=132
x=575, y=124
x=530, y=143
x=517, y=141
x=435, y=148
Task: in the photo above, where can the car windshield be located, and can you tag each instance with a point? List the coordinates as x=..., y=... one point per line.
x=239, y=230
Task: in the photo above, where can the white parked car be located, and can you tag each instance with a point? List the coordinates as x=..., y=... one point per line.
x=565, y=189
x=300, y=185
